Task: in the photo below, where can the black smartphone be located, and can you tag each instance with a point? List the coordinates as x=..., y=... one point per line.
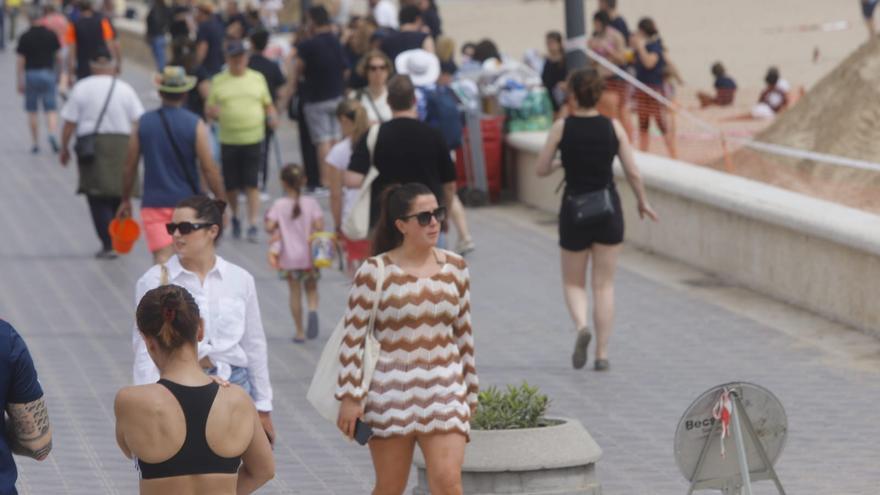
x=362, y=432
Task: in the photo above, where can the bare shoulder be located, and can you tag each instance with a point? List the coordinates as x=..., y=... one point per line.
x=139, y=400
x=235, y=402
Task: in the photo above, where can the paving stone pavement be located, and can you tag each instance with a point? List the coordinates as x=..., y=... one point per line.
x=669, y=346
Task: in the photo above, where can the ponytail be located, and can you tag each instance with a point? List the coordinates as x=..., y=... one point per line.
x=170, y=315
x=395, y=203
x=292, y=176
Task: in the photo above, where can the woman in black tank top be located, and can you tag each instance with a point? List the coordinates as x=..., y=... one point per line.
x=588, y=143
x=187, y=434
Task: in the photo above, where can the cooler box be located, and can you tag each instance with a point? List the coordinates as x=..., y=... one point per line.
x=492, y=128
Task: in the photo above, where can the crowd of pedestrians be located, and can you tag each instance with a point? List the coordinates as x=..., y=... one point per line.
x=376, y=117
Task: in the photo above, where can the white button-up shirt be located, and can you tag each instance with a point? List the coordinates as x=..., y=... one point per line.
x=233, y=327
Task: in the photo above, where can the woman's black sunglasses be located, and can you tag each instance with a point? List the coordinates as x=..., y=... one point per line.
x=185, y=227
x=424, y=218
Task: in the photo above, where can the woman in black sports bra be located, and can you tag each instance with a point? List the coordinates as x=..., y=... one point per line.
x=188, y=434
x=588, y=143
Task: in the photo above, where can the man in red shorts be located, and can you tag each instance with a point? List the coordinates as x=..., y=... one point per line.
x=171, y=139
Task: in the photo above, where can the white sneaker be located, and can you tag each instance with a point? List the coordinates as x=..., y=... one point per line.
x=465, y=246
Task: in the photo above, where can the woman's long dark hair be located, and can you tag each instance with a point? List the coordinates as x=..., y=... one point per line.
x=170, y=315
x=395, y=203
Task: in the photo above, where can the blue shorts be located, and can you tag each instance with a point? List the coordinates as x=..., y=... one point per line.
x=40, y=86
x=868, y=7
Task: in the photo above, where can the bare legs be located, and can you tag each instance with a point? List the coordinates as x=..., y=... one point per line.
x=391, y=460
x=253, y=205
x=34, y=125
x=459, y=219
x=444, y=456
x=602, y=283
x=574, y=283
x=296, y=310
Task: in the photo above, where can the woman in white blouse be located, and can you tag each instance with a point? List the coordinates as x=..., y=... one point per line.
x=376, y=67
x=234, y=347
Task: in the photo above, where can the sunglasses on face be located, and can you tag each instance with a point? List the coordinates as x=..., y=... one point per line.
x=424, y=218
x=185, y=227
x=375, y=68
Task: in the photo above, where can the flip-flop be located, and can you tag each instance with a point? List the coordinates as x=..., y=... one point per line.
x=579, y=357
x=601, y=365
x=299, y=341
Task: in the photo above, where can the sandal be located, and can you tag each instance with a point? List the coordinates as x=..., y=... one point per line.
x=601, y=365
x=579, y=357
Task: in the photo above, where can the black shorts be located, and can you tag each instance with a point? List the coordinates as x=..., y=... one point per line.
x=574, y=237
x=241, y=165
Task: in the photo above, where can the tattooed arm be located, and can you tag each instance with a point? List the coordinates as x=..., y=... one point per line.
x=28, y=429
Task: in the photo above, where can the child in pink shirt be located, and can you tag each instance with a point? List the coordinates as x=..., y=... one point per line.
x=295, y=218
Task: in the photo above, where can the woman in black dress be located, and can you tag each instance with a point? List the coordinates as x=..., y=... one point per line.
x=588, y=143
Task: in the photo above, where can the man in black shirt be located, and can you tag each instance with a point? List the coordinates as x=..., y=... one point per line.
x=90, y=34
x=209, y=40
x=322, y=61
x=37, y=70
x=158, y=22
x=274, y=79
x=407, y=150
x=411, y=35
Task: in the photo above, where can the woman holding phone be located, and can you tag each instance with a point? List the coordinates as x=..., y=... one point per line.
x=424, y=388
x=188, y=434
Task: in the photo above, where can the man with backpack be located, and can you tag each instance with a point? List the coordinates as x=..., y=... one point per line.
x=171, y=140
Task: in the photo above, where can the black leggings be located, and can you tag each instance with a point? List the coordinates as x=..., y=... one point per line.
x=103, y=211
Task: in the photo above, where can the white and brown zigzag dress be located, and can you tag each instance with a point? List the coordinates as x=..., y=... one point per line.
x=425, y=379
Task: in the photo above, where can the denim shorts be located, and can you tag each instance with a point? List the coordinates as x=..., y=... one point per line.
x=239, y=376
x=321, y=119
x=40, y=85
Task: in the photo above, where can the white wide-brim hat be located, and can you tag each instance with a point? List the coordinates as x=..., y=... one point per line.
x=422, y=66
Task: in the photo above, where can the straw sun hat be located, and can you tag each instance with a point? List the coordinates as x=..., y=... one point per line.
x=174, y=80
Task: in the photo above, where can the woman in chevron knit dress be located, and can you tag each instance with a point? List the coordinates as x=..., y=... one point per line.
x=424, y=388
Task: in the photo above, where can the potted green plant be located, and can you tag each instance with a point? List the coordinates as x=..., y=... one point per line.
x=516, y=448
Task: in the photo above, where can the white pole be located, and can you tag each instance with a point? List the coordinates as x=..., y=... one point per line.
x=741, y=448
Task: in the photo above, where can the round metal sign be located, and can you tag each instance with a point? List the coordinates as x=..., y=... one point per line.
x=698, y=426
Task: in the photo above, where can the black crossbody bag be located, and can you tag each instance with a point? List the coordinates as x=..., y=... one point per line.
x=85, y=147
x=178, y=153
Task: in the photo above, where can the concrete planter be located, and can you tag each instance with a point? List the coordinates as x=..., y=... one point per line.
x=558, y=460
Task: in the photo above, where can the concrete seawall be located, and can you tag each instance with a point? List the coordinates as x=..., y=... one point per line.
x=813, y=254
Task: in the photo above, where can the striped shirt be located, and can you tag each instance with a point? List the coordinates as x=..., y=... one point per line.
x=425, y=379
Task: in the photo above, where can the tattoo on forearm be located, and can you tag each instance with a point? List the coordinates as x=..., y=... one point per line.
x=28, y=423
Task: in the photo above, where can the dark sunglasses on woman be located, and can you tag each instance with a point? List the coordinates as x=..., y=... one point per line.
x=185, y=227
x=424, y=218
x=374, y=68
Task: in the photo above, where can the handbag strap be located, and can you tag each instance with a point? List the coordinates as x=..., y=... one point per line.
x=180, y=159
x=106, y=104
x=366, y=92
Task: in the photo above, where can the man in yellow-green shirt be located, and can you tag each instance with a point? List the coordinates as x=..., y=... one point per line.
x=240, y=101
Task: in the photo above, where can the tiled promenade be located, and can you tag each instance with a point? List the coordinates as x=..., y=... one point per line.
x=671, y=343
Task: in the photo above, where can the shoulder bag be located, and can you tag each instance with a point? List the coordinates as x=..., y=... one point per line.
x=178, y=153
x=356, y=226
x=322, y=391
x=85, y=145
